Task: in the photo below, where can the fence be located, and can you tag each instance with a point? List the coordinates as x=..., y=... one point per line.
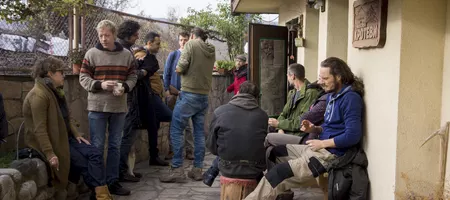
x=21, y=44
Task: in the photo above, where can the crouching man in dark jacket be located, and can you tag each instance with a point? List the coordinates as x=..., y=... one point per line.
x=236, y=136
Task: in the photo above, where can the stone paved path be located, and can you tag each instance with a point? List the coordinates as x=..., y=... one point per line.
x=150, y=188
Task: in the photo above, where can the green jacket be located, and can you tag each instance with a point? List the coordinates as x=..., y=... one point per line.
x=289, y=119
x=195, y=65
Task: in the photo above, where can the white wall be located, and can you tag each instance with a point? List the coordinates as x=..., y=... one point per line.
x=380, y=70
x=445, y=111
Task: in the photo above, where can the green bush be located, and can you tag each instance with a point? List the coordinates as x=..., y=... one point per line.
x=225, y=64
x=6, y=158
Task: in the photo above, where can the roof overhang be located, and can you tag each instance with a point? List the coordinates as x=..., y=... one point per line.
x=255, y=6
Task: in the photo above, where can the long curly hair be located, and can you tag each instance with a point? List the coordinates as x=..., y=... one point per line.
x=338, y=67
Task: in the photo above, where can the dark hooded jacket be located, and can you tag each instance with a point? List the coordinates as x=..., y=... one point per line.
x=237, y=134
x=138, y=99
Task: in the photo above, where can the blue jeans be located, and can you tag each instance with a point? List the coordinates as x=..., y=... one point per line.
x=192, y=106
x=86, y=160
x=98, y=121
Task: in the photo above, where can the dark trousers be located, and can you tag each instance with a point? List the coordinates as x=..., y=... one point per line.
x=87, y=161
x=157, y=112
x=162, y=113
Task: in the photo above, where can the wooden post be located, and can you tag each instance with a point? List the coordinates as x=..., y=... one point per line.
x=76, y=29
x=70, y=19
x=83, y=32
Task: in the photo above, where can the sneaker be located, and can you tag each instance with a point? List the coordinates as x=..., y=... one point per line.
x=195, y=174
x=176, y=175
x=128, y=178
x=157, y=162
x=209, y=176
x=117, y=189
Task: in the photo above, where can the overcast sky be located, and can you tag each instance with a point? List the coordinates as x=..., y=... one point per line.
x=159, y=8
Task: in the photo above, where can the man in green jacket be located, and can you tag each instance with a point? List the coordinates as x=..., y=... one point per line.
x=195, y=68
x=298, y=102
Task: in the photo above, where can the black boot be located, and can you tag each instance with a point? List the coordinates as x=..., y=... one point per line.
x=158, y=162
x=117, y=189
x=128, y=178
x=209, y=176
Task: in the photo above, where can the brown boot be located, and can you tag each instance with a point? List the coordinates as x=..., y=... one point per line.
x=196, y=174
x=102, y=193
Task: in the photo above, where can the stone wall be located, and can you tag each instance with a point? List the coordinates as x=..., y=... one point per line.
x=27, y=179
x=14, y=90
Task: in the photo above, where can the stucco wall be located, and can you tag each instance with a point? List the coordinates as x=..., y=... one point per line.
x=307, y=55
x=445, y=111
x=311, y=49
x=333, y=30
x=380, y=70
x=290, y=9
x=419, y=109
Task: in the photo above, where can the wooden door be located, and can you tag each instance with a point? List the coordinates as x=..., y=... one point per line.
x=268, y=60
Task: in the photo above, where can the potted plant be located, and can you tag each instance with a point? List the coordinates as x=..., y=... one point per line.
x=224, y=66
x=76, y=57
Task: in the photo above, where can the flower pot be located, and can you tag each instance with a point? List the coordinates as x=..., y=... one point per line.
x=222, y=71
x=76, y=68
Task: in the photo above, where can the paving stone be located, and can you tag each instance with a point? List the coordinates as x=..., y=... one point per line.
x=141, y=195
x=151, y=188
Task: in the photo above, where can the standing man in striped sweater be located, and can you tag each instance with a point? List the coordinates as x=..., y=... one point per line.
x=108, y=73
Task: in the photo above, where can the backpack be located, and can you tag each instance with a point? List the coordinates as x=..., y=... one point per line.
x=348, y=177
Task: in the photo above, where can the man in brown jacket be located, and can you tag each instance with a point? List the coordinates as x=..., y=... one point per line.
x=49, y=131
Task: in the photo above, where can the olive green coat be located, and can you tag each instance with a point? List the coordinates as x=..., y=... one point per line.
x=289, y=119
x=46, y=131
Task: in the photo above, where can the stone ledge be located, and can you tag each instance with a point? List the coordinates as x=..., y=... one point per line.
x=27, y=180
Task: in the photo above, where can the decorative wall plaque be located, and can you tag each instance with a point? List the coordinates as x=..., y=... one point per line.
x=369, y=23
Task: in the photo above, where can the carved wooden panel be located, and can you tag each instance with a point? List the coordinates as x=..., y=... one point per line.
x=272, y=75
x=369, y=23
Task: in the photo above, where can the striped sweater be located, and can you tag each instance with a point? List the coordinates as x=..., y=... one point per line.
x=99, y=65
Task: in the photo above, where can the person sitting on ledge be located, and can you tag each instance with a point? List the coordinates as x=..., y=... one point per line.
x=49, y=131
x=298, y=102
x=236, y=136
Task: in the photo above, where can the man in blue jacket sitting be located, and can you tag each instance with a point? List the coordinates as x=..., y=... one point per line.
x=299, y=165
